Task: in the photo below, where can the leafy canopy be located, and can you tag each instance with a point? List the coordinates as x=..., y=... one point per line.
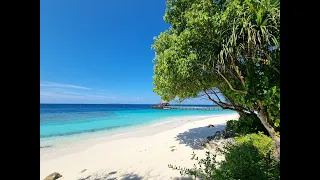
x=227, y=46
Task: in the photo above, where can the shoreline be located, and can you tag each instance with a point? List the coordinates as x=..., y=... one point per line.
x=159, y=140
x=149, y=119
x=53, y=145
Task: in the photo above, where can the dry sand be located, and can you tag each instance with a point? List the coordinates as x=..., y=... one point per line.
x=143, y=153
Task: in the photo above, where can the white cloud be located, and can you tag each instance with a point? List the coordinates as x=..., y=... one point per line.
x=51, y=92
x=63, y=97
x=74, y=95
x=52, y=84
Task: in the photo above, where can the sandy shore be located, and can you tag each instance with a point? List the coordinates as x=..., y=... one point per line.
x=143, y=153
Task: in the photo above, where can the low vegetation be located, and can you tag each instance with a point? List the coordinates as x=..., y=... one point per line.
x=245, y=125
x=249, y=158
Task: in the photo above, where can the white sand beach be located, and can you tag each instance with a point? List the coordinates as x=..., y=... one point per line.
x=143, y=153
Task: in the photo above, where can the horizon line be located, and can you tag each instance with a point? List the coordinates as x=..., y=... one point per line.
x=123, y=103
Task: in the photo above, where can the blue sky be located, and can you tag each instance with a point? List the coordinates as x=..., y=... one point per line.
x=99, y=51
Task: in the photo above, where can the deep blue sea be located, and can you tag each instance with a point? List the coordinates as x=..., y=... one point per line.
x=58, y=120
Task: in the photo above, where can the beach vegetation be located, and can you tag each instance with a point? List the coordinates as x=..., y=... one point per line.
x=227, y=51
x=249, y=158
x=246, y=124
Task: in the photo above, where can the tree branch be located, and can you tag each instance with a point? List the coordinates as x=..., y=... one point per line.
x=238, y=72
x=221, y=104
x=229, y=84
x=216, y=95
x=218, y=103
x=232, y=73
x=225, y=105
x=230, y=100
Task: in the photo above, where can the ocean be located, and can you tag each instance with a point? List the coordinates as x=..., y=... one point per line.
x=63, y=120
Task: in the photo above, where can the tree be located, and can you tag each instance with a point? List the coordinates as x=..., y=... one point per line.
x=227, y=47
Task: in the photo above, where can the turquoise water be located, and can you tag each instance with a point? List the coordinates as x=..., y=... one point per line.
x=58, y=120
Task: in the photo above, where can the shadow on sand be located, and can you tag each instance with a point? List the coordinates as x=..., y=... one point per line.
x=183, y=178
x=195, y=137
x=99, y=176
x=108, y=176
x=129, y=176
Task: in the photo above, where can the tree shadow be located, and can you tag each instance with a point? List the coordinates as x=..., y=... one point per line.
x=114, y=175
x=195, y=137
x=183, y=178
x=107, y=176
x=47, y=146
x=100, y=176
x=131, y=176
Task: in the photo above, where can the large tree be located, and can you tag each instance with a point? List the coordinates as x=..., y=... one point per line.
x=225, y=47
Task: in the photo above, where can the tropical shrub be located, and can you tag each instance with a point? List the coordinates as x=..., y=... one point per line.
x=245, y=125
x=248, y=159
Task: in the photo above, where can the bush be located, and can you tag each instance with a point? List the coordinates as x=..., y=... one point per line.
x=261, y=141
x=245, y=125
x=232, y=125
x=248, y=159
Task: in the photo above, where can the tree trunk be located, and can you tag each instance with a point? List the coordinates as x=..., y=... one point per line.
x=264, y=118
x=242, y=113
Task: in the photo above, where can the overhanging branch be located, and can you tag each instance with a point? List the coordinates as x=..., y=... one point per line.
x=238, y=73
x=229, y=84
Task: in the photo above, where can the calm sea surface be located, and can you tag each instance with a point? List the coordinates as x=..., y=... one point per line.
x=58, y=120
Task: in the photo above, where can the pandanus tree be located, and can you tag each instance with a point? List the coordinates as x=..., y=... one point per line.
x=227, y=51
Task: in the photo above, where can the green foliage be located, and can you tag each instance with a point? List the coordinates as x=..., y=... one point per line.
x=272, y=101
x=245, y=125
x=250, y=159
x=207, y=167
x=262, y=142
x=232, y=125
x=247, y=159
x=230, y=45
